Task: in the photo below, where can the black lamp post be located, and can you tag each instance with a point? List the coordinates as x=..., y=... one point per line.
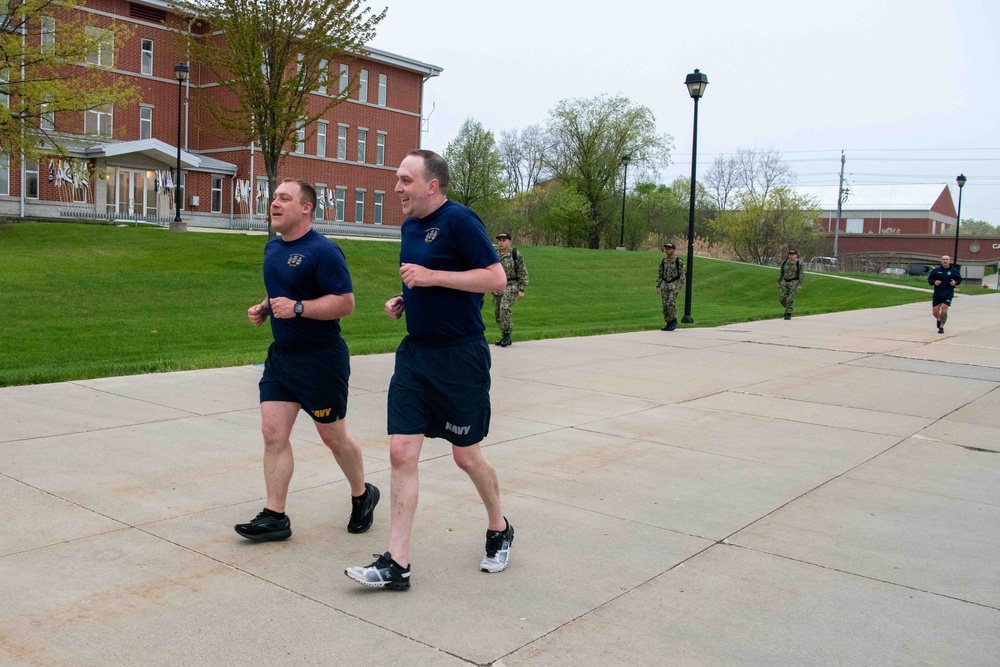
x=696, y=83
x=181, y=72
x=958, y=223
x=625, y=161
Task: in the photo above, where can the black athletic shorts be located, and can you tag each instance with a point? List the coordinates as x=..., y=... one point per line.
x=315, y=379
x=441, y=391
x=946, y=300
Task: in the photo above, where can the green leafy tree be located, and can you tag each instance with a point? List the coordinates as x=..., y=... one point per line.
x=760, y=230
x=476, y=169
x=973, y=227
x=45, y=46
x=586, y=141
x=270, y=56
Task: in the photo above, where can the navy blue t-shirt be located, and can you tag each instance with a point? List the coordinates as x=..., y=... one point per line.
x=945, y=290
x=452, y=238
x=307, y=268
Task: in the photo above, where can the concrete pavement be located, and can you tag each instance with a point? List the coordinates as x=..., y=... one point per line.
x=823, y=491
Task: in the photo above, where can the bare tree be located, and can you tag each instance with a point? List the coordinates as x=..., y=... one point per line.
x=512, y=156
x=523, y=156
x=722, y=180
x=762, y=170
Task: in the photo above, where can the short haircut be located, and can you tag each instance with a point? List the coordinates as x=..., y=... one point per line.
x=435, y=167
x=307, y=192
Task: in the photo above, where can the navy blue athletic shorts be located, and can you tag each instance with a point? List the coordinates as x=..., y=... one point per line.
x=935, y=300
x=442, y=391
x=315, y=379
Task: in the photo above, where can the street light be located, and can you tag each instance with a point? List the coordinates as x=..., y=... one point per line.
x=958, y=223
x=181, y=72
x=696, y=83
x=625, y=161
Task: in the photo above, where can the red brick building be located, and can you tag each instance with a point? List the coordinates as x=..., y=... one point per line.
x=880, y=209
x=122, y=159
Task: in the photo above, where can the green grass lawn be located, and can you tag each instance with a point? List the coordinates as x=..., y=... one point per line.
x=86, y=301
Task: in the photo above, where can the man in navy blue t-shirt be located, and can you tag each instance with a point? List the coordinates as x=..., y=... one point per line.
x=944, y=279
x=440, y=387
x=308, y=365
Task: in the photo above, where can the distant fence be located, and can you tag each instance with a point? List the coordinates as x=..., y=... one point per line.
x=113, y=217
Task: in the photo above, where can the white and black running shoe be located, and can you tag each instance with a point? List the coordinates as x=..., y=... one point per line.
x=497, y=549
x=383, y=573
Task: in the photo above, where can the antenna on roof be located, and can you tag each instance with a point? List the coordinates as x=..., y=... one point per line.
x=425, y=123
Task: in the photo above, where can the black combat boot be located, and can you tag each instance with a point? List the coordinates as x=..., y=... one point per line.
x=505, y=341
x=671, y=325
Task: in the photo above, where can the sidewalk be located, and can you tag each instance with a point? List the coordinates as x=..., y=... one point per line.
x=823, y=491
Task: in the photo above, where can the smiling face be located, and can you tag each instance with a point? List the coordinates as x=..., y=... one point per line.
x=418, y=196
x=289, y=216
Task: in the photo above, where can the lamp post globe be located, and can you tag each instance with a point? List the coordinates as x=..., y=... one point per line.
x=696, y=83
x=181, y=73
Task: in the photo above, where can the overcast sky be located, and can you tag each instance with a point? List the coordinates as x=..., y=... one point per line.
x=910, y=89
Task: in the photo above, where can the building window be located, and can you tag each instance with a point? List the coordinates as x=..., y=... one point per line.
x=31, y=178
x=345, y=78
x=46, y=117
x=4, y=174
x=103, y=50
x=5, y=87
x=321, y=138
x=48, y=35
x=855, y=226
x=216, y=194
x=341, y=195
x=383, y=82
x=359, y=205
x=363, y=86
x=145, y=122
x=98, y=122
x=324, y=76
x=362, y=143
x=147, y=56
x=378, y=208
x=342, y=142
x=380, y=149
x=300, y=136
x=320, y=211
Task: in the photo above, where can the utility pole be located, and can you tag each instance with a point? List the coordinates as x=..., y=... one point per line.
x=840, y=204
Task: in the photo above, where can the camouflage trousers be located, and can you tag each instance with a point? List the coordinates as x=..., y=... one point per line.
x=503, y=309
x=787, y=294
x=669, y=297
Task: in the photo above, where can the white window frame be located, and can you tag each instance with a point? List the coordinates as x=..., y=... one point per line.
x=341, y=196
x=362, y=144
x=5, y=82
x=4, y=174
x=216, y=193
x=363, y=86
x=28, y=173
x=104, y=57
x=146, y=56
x=359, y=205
x=341, y=142
x=300, y=136
x=146, y=121
x=379, y=195
x=383, y=85
x=46, y=118
x=324, y=76
x=321, y=138
x=102, y=122
x=345, y=78
x=48, y=35
x=264, y=204
x=380, y=148
x=320, y=212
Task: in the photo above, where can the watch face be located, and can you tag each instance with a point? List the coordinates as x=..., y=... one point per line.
x=298, y=308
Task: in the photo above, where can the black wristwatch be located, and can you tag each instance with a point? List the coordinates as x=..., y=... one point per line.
x=298, y=309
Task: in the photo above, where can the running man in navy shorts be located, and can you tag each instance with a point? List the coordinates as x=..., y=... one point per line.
x=944, y=279
x=441, y=384
x=308, y=365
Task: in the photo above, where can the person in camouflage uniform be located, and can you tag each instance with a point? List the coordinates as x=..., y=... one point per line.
x=669, y=282
x=517, y=279
x=789, y=281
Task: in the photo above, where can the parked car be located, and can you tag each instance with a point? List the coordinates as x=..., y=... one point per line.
x=822, y=263
x=890, y=271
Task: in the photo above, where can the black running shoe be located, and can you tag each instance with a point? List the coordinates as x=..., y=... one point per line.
x=497, y=549
x=363, y=511
x=265, y=528
x=939, y=324
x=383, y=573
x=940, y=329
